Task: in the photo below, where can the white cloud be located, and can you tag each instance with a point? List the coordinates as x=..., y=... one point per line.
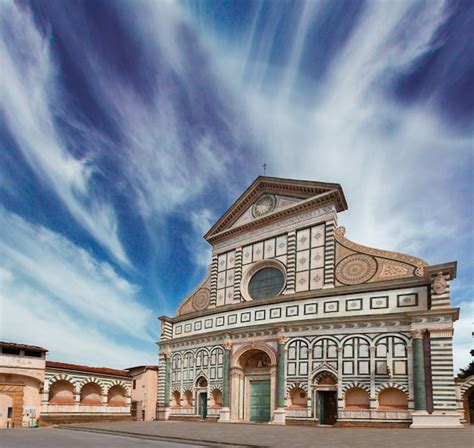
x=33, y=318
x=68, y=276
x=29, y=93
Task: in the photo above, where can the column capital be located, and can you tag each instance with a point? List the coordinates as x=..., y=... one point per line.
x=282, y=338
x=417, y=333
x=228, y=343
x=441, y=332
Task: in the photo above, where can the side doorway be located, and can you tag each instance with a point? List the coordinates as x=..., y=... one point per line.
x=203, y=405
x=327, y=407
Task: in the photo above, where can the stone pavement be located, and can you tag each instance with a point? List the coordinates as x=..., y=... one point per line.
x=58, y=438
x=260, y=435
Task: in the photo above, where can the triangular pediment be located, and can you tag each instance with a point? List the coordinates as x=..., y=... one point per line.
x=270, y=198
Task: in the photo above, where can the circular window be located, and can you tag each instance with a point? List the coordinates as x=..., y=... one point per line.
x=267, y=282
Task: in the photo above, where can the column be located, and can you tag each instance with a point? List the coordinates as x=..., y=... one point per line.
x=167, y=380
x=224, y=414
x=329, y=254
x=279, y=414
x=213, y=298
x=419, y=371
x=445, y=414
x=162, y=406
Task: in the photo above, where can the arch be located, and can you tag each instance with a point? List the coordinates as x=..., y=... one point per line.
x=361, y=336
x=215, y=354
x=290, y=386
x=217, y=398
x=255, y=346
x=348, y=386
x=297, y=397
x=201, y=358
x=383, y=386
x=202, y=381
x=466, y=385
x=91, y=394
x=396, y=335
x=116, y=395
x=79, y=385
x=61, y=392
x=188, y=398
x=322, y=368
x=322, y=348
x=175, y=399
x=332, y=338
x=356, y=398
x=325, y=377
x=62, y=377
x=117, y=383
x=392, y=398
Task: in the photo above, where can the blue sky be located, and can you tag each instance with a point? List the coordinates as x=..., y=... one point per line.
x=128, y=127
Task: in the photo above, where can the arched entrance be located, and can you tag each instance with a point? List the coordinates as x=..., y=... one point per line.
x=468, y=403
x=253, y=384
x=325, y=398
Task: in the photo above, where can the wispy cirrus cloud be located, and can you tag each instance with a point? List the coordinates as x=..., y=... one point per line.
x=30, y=105
x=63, y=283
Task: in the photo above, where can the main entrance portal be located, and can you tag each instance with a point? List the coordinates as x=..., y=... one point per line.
x=260, y=401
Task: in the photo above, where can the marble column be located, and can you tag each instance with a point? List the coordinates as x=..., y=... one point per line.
x=419, y=371
x=224, y=414
x=279, y=414
x=167, y=380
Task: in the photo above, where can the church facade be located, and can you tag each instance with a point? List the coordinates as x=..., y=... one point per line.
x=296, y=324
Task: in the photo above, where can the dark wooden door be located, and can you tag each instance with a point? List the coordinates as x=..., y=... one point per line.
x=327, y=407
x=203, y=405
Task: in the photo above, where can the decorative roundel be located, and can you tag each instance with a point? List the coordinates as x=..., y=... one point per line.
x=201, y=299
x=264, y=205
x=356, y=269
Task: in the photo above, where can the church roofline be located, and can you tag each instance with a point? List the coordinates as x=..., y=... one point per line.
x=304, y=189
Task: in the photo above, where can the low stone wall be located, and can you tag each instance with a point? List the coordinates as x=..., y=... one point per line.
x=372, y=424
x=48, y=420
x=193, y=418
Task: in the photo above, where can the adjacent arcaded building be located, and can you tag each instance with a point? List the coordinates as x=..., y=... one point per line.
x=295, y=323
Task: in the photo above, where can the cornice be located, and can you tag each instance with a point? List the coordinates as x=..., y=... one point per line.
x=338, y=291
x=331, y=197
x=290, y=187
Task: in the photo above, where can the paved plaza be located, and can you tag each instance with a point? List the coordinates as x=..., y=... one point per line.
x=179, y=434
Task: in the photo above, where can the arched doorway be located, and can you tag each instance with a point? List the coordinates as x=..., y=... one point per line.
x=253, y=384
x=468, y=403
x=325, y=398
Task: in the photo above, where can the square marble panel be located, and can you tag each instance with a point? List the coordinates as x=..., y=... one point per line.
x=229, y=295
x=258, y=251
x=269, y=248
x=302, y=281
x=230, y=259
x=247, y=255
x=221, y=262
x=310, y=308
x=220, y=321
x=208, y=323
x=379, y=303
x=302, y=260
x=281, y=245
x=303, y=239
x=317, y=235
x=317, y=257
x=220, y=299
x=292, y=311
x=353, y=304
x=197, y=325
x=275, y=313
x=405, y=300
x=260, y=315
x=230, y=277
x=232, y=319
x=178, y=329
x=331, y=307
x=316, y=279
x=221, y=280
x=245, y=317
